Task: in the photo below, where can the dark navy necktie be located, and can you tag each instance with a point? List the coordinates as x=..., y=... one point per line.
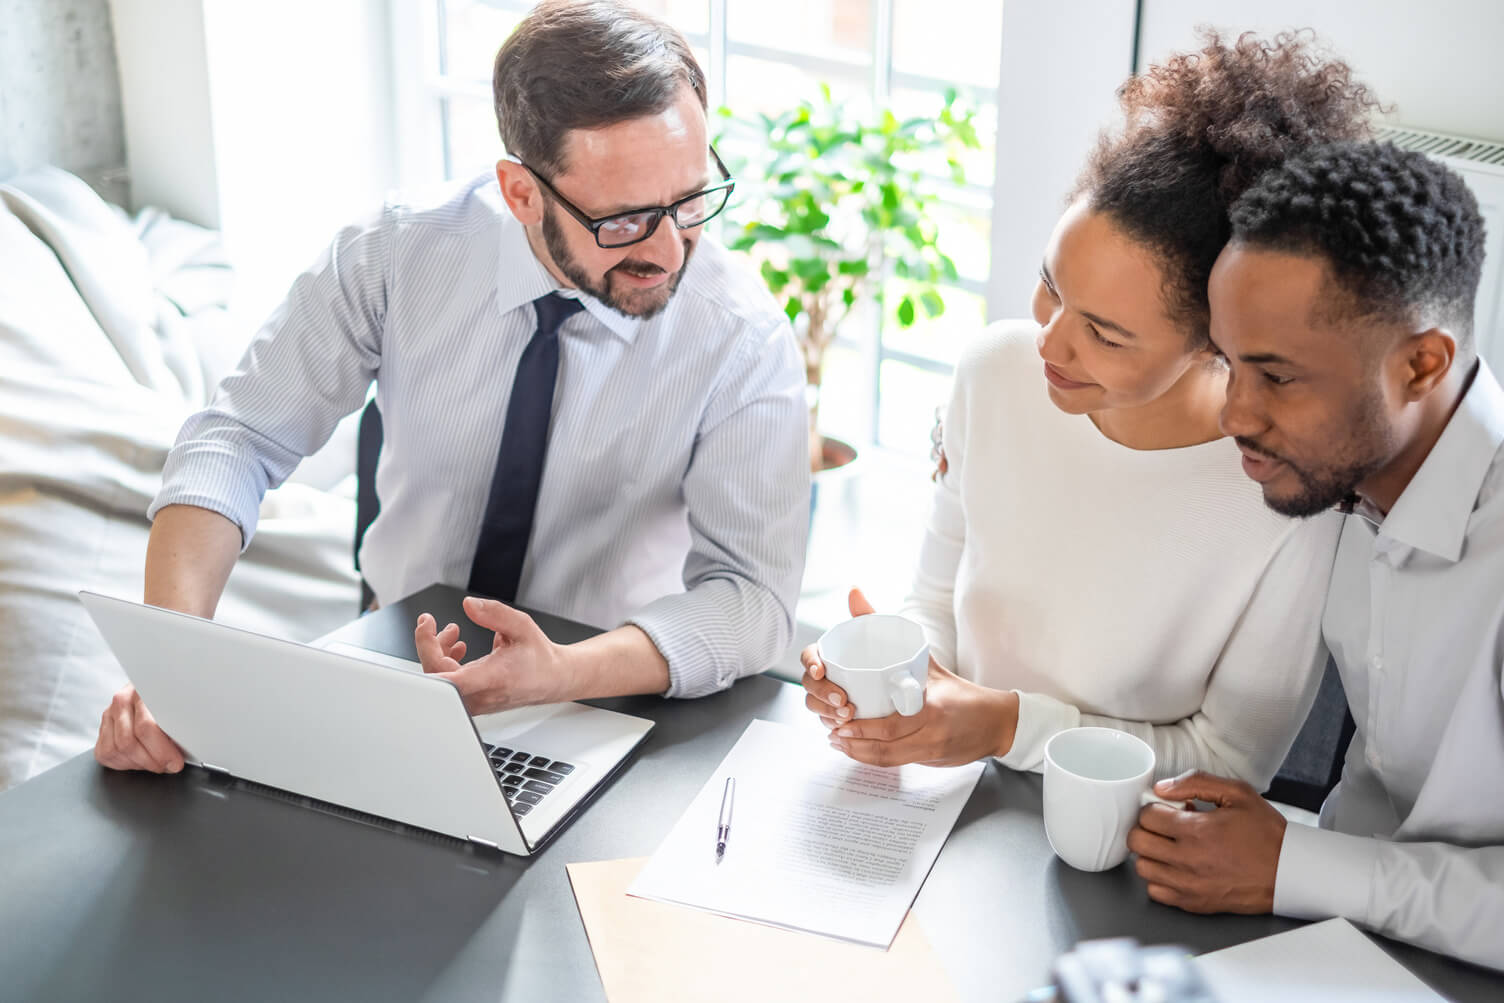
x=508, y=521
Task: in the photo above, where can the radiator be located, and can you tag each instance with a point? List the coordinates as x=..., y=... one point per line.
x=1481, y=164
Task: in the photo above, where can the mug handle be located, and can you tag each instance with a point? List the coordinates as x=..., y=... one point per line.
x=908, y=695
x=1148, y=797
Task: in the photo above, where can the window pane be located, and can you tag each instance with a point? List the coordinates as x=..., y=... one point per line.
x=958, y=40
x=837, y=29
x=474, y=145
x=940, y=338
x=756, y=86
x=979, y=164
x=474, y=29
x=472, y=34
x=965, y=234
x=843, y=407
x=907, y=408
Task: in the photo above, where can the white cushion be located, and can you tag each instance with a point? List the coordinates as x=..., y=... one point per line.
x=87, y=416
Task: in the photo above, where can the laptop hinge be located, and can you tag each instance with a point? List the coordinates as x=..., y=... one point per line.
x=483, y=842
x=217, y=770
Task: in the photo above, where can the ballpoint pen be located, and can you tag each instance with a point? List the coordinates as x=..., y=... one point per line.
x=723, y=826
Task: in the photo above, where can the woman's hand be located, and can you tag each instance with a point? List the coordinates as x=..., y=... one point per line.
x=960, y=722
x=821, y=695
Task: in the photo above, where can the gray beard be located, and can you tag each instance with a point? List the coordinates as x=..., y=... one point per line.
x=558, y=249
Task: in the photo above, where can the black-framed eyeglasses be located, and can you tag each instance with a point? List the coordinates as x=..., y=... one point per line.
x=622, y=229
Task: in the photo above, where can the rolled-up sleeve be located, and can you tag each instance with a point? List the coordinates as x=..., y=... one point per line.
x=309, y=366
x=747, y=494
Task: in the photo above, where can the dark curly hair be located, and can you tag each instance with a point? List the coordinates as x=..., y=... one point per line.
x=1401, y=232
x=1199, y=129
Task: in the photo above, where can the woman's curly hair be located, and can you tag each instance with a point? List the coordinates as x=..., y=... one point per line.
x=1199, y=129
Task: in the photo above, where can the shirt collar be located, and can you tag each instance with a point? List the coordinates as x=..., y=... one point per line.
x=521, y=278
x=1433, y=511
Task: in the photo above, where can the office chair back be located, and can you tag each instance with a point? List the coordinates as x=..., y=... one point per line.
x=1314, y=763
x=367, y=505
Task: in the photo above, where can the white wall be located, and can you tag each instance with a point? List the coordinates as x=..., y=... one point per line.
x=1062, y=63
x=1488, y=316
x=269, y=120
x=159, y=45
x=1440, y=62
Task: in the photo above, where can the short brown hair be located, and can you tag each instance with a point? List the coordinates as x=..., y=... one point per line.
x=584, y=64
x=1201, y=127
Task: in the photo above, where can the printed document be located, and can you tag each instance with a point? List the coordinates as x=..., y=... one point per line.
x=818, y=842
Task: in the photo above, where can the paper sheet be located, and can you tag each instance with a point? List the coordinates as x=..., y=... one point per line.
x=1328, y=962
x=818, y=842
x=647, y=952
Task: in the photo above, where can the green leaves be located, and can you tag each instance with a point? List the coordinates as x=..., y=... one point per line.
x=906, y=311
x=814, y=273
x=776, y=278
x=838, y=203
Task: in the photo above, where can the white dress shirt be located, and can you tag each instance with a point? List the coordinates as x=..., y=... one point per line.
x=1411, y=842
x=675, y=494
x=1150, y=591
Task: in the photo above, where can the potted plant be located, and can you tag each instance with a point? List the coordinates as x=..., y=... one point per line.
x=839, y=210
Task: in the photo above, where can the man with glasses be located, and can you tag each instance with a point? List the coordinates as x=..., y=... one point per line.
x=587, y=408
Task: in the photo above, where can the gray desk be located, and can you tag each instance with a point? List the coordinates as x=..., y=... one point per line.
x=125, y=886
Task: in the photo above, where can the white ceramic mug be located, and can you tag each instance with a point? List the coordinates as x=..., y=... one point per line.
x=1095, y=782
x=881, y=661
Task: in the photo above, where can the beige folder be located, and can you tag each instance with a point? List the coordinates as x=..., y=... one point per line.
x=653, y=951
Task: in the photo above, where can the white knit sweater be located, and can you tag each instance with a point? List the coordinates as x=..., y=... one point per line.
x=1146, y=590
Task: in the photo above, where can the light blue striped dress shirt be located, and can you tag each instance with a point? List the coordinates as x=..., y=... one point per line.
x=675, y=495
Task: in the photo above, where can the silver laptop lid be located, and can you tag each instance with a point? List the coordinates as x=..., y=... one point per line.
x=342, y=730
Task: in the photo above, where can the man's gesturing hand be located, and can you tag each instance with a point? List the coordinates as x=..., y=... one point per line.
x=523, y=666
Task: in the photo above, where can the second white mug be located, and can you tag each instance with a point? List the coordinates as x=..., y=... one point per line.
x=1095, y=782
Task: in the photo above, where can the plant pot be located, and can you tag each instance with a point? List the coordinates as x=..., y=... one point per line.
x=836, y=456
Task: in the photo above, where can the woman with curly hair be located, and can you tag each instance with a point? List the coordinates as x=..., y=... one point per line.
x=1095, y=554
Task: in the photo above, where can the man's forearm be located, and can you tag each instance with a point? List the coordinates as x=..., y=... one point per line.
x=620, y=662
x=188, y=559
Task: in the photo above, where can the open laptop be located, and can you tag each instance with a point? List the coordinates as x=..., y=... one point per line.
x=341, y=727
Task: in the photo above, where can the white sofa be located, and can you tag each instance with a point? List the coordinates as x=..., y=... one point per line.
x=113, y=331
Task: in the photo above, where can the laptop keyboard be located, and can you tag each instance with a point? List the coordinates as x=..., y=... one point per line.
x=526, y=779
